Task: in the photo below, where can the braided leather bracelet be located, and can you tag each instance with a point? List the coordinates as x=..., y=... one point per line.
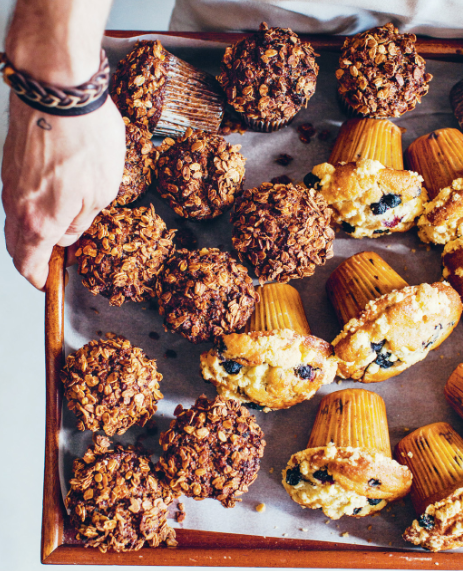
x=54, y=100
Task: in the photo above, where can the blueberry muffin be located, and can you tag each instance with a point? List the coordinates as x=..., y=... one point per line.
x=272, y=370
x=276, y=363
x=387, y=324
x=438, y=158
x=434, y=454
x=347, y=468
x=442, y=220
x=377, y=139
x=368, y=199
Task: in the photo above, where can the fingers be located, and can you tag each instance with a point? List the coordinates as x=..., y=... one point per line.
x=11, y=236
x=79, y=225
x=31, y=260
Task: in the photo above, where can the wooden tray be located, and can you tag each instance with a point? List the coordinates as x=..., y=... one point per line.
x=198, y=548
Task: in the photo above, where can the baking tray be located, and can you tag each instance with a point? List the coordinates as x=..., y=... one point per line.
x=199, y=548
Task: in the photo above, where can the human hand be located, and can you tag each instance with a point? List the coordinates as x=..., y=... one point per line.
x=58, y=173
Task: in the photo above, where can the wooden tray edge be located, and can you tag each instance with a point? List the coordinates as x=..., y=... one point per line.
x=432, y=48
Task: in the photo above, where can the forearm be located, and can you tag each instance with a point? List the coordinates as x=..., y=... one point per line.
x=58, y=41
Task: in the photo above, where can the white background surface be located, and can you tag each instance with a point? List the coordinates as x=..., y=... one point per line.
x=22, y=369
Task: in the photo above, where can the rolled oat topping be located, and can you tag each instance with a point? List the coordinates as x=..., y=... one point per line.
x=111, y=385
x=283, y=230
x=380, y=74
x=139, y=156
x=270, y=75
x=116, y=502
x=211, y=450
x=204, y=294
x=123, y=252
x=199, y=174
x=137, y=85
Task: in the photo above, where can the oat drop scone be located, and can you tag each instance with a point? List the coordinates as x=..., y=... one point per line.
x=211, y=450
x=380, y=73
x=368, y=199
x=116, y=502
x=347, y=468
x=434, y=454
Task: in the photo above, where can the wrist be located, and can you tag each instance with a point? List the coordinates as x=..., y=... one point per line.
x=58, y=43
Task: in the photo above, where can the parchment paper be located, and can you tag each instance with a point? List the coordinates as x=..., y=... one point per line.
x=413, y=399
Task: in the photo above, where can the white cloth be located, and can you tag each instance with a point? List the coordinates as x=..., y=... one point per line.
x=439, y=18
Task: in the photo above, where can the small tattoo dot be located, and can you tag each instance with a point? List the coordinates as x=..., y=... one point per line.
x=43, y=124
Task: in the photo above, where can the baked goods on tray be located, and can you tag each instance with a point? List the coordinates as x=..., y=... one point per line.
x=398, y=324
x=111, y=385
x=211, y=450
x=164, y=94
x=199, y=174
x=283, y=230
x=438, y=158
x=116, y=502
x=278, y=328
x=370, y=200
x=204, y=294
x=273, y=365
x=347, y=468
x=268, y=77
x=122, y=253
x=434, y=454
x=380, y=74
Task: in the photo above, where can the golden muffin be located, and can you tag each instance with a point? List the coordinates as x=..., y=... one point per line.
x=370, y=200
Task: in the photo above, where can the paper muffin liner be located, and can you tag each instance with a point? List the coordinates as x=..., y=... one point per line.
x=453, y=390
x=438, y=158
x=280, y=307
x=352, y=417
x=359, y=279
x=266, y=126
x=191, y=98
x=434, y=454
x=377, y=139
